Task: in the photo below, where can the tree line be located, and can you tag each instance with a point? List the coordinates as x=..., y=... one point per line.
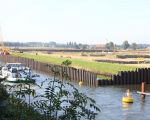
x=109, y=46
x=125, y=45
x=48, y=44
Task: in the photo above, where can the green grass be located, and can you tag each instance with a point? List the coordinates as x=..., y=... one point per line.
x=88, y=65
x=101, y=77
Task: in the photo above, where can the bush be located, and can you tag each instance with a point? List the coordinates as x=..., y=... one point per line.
x=67, y=62
x=60, y=101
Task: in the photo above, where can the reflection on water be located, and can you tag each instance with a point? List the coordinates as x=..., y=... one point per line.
x=109, y=100
x=126, y=106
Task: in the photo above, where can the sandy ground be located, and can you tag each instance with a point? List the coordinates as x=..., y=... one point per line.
x=140, y=65
x=108, y=56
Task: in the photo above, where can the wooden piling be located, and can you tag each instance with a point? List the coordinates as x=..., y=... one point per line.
x=148, y=72
x=143, y=90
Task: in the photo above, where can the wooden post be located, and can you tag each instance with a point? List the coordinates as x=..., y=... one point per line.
x=148, y=72
x=142, y=90
x=134, y=77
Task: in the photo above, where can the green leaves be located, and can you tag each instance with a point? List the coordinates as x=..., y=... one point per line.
x=66, y=62
x=60, y=101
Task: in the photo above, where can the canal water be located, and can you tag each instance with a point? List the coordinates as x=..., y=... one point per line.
x=108, y=99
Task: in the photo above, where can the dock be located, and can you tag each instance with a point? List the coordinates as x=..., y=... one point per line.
x=143, y=93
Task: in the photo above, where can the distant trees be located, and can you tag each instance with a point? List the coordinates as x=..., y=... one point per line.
x=110, y=46
x=77, y=46
x=125, y=45
x=134, y=46
x=52, y=44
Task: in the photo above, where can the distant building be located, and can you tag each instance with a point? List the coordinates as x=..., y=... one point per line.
x=98, y=47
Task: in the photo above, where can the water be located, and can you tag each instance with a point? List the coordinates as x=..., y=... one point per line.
x=108, y=99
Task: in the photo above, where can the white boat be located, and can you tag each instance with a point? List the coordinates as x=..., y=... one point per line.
x=15, y=72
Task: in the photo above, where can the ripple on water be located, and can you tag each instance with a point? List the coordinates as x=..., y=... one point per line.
x=109, y=100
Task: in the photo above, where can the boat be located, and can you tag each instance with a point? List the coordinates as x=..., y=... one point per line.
x=16, y=72
x=127, y=98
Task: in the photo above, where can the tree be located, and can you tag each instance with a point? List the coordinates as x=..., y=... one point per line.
x=60, y=101
x=77, y=46
x=134, y=46
x=125, y=45
x=110, y=46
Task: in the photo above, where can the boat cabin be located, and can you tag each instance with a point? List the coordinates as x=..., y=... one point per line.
x=18, y=66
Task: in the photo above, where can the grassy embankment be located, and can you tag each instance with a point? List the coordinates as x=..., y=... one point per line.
x=113, y=68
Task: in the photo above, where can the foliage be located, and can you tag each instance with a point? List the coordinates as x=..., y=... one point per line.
x=3, y=93
x=134, y=46
x=110, y=46
x=19, y=110
x=15, y=106
x=67, y=62
x=125, y=45
x=60, y=101
x=76, y=46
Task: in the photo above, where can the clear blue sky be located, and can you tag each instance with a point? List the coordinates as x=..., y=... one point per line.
x=83, y=21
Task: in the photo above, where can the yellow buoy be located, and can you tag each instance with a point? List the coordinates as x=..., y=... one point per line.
x=128, y=97
x=80, y=83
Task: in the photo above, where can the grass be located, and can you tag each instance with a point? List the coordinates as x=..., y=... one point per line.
x=101, y=77
x=78, y=63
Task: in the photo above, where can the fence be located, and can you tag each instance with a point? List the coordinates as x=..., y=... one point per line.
x=88, y=78
x=128, y=77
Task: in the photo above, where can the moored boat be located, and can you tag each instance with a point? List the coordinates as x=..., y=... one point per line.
x=16, y=72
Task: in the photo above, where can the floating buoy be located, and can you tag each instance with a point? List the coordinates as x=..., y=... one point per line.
x=80, y=83
x=128, y=97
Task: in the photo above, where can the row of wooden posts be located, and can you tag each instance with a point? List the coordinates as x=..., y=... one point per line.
x=128, y=77
x=87, y=77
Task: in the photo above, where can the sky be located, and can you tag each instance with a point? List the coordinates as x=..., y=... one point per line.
x=81, y=21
